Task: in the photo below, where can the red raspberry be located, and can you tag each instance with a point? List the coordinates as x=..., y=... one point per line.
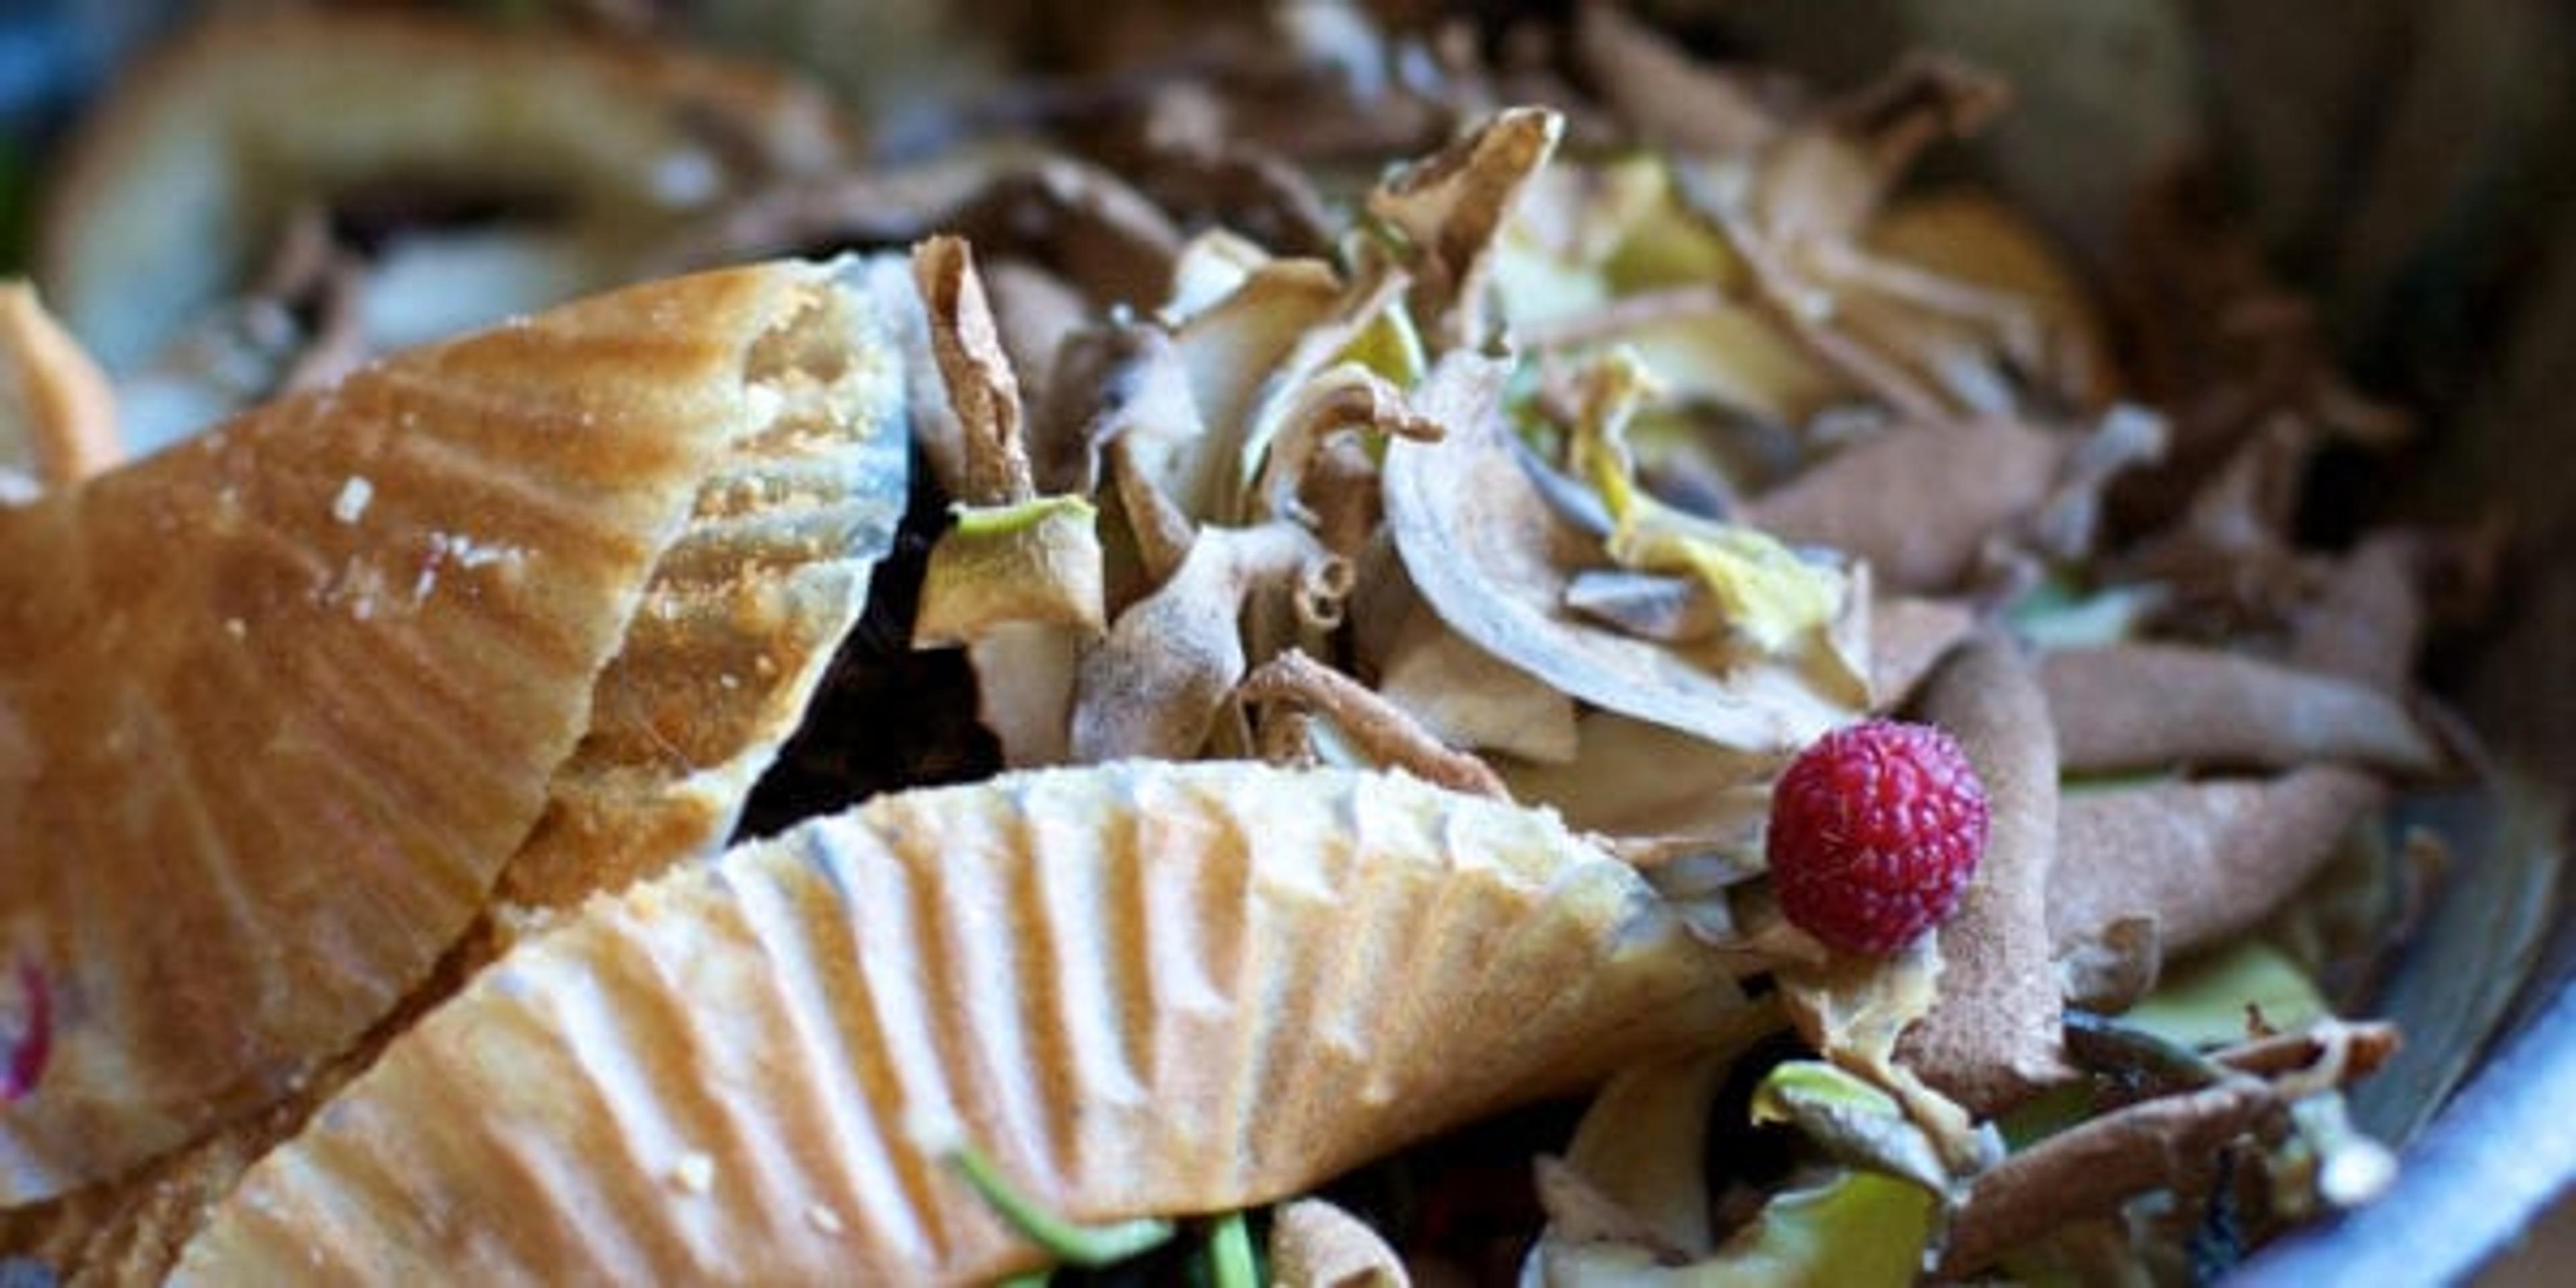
x=29, y=1042
x=1875, y=830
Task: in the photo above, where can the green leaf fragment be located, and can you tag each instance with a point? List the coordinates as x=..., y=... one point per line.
x=1089, y=1246
x=1391, y=346
x=1027, y=561
x=1021, y=516
x=2051, y=1111
x=1855, y=1230
x=2203, y=1002
x=2056, y=615
x=1853, y=1009
x=1849, y=1230
x=1854, y=1122
x=1230, y=1259
x=1798, y=1086
x=1669, y=245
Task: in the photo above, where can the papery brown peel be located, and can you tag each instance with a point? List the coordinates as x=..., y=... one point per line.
x=1919, y=502
x=1992, y=1039
x=2150, y=706
x=2206, y=860
x=1154, y=685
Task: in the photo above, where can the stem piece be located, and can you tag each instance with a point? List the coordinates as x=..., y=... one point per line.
x=1081, y=1245
x=2091, y=1169
x=981, y=387
x=1381, y=729
x=69, y=407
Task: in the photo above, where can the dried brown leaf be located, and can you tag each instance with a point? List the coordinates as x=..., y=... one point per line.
x=2230, y=557
x=1825, y=180
x=2065, y=527
x=1083, y=222
x=1795, y=307
x=1189, y=157
x=1956, y=361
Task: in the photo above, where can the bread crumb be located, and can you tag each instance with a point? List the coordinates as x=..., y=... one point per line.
x=236, y=628
x=695, y=1173
x=823, y=1219
x=449, y=548
x=351, y=504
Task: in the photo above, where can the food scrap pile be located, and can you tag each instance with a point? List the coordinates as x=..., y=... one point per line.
x=1325, y=643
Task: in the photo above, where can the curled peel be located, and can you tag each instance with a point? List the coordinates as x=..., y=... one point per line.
x=1135, y=989
x=1489, y=553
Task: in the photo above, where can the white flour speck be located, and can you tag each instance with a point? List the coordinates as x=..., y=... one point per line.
x=351, y=504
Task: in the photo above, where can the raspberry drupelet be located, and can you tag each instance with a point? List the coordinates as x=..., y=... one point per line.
x=1876, y=829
